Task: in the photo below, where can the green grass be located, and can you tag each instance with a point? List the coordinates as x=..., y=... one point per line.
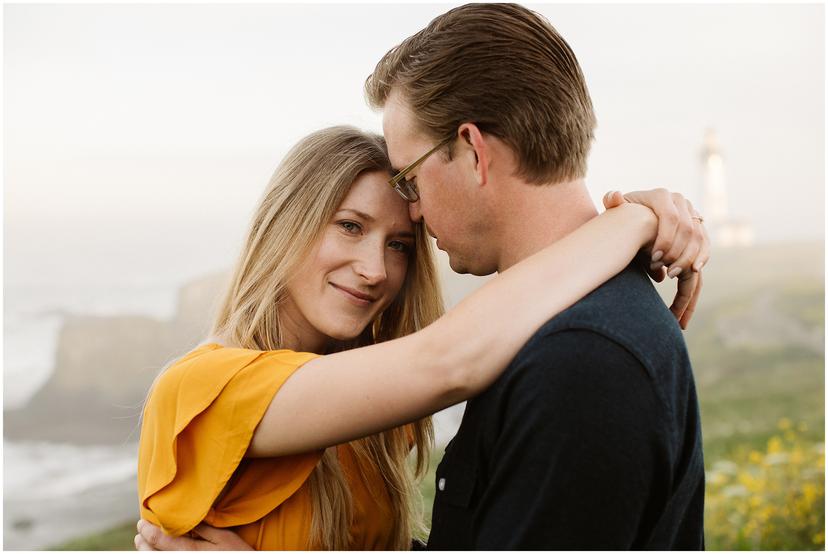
x=744, y=391
x=118, y=538
x=774, y=371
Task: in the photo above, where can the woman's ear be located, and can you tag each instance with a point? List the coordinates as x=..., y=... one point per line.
x=476, y=144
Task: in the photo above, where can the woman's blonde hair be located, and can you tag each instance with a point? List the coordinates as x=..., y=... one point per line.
x=300, y=200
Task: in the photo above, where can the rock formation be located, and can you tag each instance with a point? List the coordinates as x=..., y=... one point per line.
x=104, y=367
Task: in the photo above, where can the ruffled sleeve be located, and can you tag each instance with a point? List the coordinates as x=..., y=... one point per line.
x=198, y=422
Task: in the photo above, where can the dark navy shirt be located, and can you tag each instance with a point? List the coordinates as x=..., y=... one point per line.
x=591, y=439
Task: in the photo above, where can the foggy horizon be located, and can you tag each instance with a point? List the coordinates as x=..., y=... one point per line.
x=138, y=138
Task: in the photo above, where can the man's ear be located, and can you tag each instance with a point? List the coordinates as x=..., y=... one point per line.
x=473, y=139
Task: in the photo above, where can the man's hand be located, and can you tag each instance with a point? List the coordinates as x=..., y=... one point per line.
x=681, y=247
x=151, y=537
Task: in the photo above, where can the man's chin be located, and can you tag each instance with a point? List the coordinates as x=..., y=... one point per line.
x=458, y=267
x=464, y=267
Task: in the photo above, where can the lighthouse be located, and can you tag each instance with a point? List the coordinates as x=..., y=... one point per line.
x=724, y=230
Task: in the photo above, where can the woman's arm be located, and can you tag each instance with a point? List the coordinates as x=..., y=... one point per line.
x=352, y=394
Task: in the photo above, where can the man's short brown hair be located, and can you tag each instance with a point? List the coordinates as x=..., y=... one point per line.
x=504, y=68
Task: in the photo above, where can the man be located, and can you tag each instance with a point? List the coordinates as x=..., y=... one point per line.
x=591, y=439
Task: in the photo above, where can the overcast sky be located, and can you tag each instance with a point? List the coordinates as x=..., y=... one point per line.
x=142, y=135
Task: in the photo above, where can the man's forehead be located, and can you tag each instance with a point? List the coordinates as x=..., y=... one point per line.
x=399, y=130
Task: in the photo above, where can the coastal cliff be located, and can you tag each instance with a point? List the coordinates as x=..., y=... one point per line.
x=104, y=367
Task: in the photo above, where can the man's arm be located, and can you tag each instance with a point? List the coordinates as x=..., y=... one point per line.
x=579, y=453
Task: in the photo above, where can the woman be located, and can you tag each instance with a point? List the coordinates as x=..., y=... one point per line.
x=292, y=424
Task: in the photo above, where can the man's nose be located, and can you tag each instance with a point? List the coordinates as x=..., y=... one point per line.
x=414, y=211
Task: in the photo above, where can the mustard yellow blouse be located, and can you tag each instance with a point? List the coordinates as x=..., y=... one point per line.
x=197, y=425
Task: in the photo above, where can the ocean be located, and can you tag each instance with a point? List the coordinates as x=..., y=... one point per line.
x=34, y=314
x=51, y=489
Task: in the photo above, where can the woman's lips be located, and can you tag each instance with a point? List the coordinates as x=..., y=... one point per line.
x=356, y=297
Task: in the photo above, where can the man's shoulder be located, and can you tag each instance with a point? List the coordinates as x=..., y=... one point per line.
x=626, y=311
x=627, y=302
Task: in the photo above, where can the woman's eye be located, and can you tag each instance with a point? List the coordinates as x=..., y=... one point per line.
x=350, y=226
x=399, y=246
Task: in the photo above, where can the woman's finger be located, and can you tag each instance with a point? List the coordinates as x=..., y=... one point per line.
x=687, y=260
x=704, y=254
x=657, y=274
x=682, y=238
x=700, y=234
x=691, y=307
x=656, y=271
x=684, y=295
x=613, y=199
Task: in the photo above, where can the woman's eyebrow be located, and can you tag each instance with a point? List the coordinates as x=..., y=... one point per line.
x=360, y=214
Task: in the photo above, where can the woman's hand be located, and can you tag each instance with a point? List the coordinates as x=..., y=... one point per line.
x=151, y=537
x=682, y=241
x=681, y=247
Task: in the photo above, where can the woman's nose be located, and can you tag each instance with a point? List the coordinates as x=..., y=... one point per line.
x=371, y=266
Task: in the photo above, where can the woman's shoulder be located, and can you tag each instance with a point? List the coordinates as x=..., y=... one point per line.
x=197, y=426
x=214, y=357
x=205, y=370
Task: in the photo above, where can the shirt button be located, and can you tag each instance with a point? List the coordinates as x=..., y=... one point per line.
x=441, y=484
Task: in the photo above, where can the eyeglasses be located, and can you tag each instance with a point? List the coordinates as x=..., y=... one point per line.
x=408, y=189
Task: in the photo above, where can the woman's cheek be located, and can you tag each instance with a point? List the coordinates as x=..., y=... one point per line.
x=398, y=269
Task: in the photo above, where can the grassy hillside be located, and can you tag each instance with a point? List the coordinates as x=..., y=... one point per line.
x=757, y=345
x=758, y=350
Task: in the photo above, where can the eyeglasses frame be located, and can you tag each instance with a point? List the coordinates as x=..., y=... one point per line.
x=398, y=181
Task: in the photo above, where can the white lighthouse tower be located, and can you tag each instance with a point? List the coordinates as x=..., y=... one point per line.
x=724, y=230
